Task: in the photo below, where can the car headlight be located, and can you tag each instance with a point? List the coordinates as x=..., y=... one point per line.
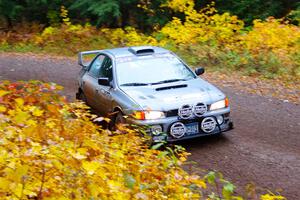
x=220, y=104
x=142, y=115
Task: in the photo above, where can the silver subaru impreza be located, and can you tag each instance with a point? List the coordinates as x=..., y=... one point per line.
x=154, y=88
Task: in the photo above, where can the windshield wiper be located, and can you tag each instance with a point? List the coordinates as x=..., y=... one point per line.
x=168, y=81
x=134, y=84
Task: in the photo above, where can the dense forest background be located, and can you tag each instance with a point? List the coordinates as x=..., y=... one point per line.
x=256, y=37
x=144, y=15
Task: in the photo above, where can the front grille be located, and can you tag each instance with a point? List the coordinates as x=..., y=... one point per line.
x=172, y=113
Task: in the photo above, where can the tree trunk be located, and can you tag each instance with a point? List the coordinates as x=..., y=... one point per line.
x=9, y=23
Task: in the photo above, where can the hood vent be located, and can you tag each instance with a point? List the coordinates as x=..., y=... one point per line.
x=171, y=87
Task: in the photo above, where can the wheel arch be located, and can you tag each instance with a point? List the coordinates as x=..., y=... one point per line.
x=118, y=109
x=79, y=91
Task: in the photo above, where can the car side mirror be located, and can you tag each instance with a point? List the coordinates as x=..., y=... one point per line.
x=104, y=81
x=199, y=71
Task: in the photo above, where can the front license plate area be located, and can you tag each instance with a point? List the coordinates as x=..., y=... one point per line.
x=192, y=128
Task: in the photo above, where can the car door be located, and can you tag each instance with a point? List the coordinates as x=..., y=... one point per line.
x=90, y=80
x=103, y=92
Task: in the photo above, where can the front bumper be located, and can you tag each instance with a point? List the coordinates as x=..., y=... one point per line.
x=166, y=124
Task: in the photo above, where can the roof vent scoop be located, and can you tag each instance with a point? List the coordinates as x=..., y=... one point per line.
x=142, y=50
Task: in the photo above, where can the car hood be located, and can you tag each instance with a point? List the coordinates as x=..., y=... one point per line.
x=170, y=96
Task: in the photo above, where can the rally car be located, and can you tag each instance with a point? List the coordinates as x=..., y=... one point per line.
x=154, y=88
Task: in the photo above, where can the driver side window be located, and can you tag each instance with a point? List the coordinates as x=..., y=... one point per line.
x=106, y=69
x=102, y=67
x=95, y=68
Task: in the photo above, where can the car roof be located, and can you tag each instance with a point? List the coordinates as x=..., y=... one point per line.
x=130, y=51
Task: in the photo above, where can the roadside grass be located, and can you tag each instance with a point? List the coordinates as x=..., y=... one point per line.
x=273, y=70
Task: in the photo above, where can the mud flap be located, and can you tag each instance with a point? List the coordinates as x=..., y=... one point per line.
x=231, y=126
x=77, y=95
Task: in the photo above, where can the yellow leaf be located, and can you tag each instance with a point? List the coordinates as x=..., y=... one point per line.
x=59, y=87
x=272, y=197
x=21, y=117
x=94, y=189
x=61, y=198
x=91, y=167
x=29, y=193
x=19, y=101
x=20, y=172
x=57, y=164
x=50, y=124
x=82, y=150
x=37, y=112
x=2, y=108
x=18, y=190
x=78, y=156
x=3, y=92
x=4, y=183
x=31, y=122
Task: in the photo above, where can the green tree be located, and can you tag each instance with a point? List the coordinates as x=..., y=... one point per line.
x=141, y=14
x=294, y=15
x=121, y=13
x=107, y=12
x=248, y=10
x=41, y=11
x=10, y=11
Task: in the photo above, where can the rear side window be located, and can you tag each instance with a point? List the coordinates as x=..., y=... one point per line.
x=96, y=66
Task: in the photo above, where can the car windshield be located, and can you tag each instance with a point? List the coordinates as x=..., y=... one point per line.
x=153, y=69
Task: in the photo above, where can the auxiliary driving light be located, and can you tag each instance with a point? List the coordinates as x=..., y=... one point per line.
x=178, y=129
x=220, y=119
x=156, y=129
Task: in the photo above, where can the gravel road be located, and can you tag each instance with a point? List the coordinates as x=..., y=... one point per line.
x=264, y=147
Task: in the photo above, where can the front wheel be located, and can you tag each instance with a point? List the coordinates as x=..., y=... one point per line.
x=117, y=120
x=120, y=118
x=81, y=96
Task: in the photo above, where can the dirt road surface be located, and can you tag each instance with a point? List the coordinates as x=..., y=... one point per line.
x=264, y=147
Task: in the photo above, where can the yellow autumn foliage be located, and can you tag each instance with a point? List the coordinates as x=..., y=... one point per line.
x=277, y=38
x=127, y=37
x=201, y=26
x=50, y=149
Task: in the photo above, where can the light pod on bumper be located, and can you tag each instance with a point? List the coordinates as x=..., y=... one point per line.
x=156, y=129
x=220, y=119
